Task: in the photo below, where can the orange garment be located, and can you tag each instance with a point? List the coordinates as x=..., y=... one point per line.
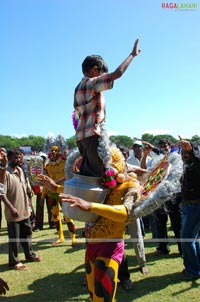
x=56, y=171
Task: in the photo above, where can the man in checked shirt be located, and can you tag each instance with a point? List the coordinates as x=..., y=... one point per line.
x=89, y=105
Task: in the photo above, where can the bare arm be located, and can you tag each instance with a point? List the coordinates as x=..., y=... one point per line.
x=136, y=169
x=185, y=144
x=49, y=183
x=146, y=150
x=3, y=166
x=124, y=65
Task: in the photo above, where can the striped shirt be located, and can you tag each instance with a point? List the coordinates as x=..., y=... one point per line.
x=90, y=104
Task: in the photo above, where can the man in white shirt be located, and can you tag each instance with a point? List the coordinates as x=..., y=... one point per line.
x=137, y=155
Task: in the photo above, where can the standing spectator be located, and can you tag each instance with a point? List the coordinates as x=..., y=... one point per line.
x=190, y=189
x=136, y=236
x=39, y=216
x=142, y=159
x=17, y=211
x=141, y=156
x=23, y=166
x=137, y=156
x=172, y=208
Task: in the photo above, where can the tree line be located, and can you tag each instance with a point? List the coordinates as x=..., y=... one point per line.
x=37, y=142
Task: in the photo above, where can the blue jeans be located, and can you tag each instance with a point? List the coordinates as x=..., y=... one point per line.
x=190, y=230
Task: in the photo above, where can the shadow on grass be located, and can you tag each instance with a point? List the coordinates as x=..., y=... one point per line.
x=150, y=285
x=54, y=288
x=68, y=288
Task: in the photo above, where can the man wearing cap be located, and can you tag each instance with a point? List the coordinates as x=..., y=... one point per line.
x=136, y=157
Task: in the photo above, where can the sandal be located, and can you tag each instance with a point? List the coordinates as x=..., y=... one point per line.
x=34, y=259
x=57, y=242
x=20, y=266
x=127, y=284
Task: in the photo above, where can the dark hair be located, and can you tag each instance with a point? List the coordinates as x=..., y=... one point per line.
x=195, y=149
x=124, y=150
x=164, y=142
x=12, y=152
x=94, y=60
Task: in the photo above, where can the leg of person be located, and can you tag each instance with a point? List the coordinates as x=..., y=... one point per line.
x=91, y=164
x=0, y=213
x=153, y=225
x=50, y=218
x=189, y=240
x=175, y=215
x=26, y=241
x=124, y=274
x=32, y=217
x=102, y=277
x=71, y=228
x=146, y=224
x=57, y=220
x=161, y=222
x=138, y=244
x=89, y=269
x=14, y=235
x=39, y=217
x=142, y=227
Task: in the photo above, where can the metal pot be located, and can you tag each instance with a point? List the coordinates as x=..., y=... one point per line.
x=85, y=187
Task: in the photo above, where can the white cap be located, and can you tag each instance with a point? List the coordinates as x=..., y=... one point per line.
x=139, y=143
x=42, y=154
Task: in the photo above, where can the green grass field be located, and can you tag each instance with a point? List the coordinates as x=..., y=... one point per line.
x=58, y=277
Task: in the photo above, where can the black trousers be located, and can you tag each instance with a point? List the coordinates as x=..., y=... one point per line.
x=123, y=272
x=20, y=232
x=39, y=217
x=173, y=209
x=91, y=164
x=0, y=213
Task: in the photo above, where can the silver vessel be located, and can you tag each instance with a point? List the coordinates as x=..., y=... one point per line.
x=85, y=187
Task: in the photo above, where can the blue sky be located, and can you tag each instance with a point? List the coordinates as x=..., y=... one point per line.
x=43, y=44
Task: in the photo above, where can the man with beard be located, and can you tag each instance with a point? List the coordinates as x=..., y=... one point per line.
x=17, y=211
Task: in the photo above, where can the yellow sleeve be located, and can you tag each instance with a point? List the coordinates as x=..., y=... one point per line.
x=116, y=213
x=44, y=192
x=60, y=189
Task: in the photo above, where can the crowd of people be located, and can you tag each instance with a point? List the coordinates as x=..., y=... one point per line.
x=182, y=211
x=123, y=174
